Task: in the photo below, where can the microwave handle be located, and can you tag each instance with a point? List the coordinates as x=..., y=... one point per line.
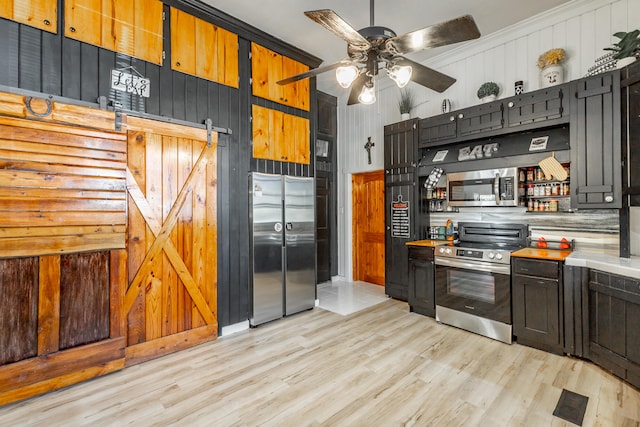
x=496, y=188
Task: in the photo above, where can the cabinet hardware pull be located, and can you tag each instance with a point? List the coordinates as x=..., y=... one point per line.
x=72, y=29
x=47, y=22
x=452, y=118
x=510, y=104
x=460, y=115
x=608, y=199
x=177, y=63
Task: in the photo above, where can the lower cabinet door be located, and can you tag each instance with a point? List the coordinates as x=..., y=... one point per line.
x=536, y=313
x=422, y=287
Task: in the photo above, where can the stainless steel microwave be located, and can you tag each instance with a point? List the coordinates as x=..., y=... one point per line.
x=491, y=187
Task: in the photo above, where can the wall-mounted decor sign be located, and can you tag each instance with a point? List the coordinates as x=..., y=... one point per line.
x=440, y=156
x=477, y=152
x=126, y=82
x=400, y=218
x=539, y=143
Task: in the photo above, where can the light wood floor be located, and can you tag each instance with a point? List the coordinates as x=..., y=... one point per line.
x=381, y=366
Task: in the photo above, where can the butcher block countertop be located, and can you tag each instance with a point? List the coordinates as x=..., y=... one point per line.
x=537, y=253
x=430, y=243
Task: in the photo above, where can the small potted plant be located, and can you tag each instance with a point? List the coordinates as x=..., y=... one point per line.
x=627, y=48
x=551, y=71
x=488, y=91
x=406, y=103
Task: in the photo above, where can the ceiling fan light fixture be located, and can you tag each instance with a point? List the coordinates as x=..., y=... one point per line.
x=346, y=75
x=401, y=74
x=368, y=94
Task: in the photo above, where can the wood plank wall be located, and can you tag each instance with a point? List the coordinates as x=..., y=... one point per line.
x=53, y=64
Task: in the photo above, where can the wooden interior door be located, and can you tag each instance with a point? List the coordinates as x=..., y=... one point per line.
x=368, y=227
x=171, y=180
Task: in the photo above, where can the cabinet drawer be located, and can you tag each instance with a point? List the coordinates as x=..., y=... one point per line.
x=535, y=267
x=424, y=253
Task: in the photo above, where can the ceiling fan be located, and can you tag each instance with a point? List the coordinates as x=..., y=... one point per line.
x=374, y=48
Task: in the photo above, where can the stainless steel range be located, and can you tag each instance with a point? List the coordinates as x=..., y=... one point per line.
x=473, y=278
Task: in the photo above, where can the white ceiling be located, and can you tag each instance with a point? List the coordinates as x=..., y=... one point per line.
x=285, y=20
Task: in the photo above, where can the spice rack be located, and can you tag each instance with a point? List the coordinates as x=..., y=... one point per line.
x=539, y=194
x=436, y=199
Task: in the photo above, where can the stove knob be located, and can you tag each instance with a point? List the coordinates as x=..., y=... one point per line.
x=441, y=250
x=490, y=255
x=448, y=250
x=498, y=256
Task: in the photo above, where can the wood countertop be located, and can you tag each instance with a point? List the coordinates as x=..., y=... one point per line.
x=538, y=253
x=430, y=243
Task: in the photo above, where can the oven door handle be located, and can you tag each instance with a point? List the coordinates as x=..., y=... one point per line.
x=474, y=265
x=496, y=188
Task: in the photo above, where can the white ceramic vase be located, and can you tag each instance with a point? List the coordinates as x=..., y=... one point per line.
x=488, y=98
x=551, y=75
x=625, y=61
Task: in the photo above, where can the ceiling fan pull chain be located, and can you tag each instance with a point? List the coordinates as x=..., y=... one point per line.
x=372, y=20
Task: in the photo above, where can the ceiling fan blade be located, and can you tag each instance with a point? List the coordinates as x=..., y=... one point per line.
x=313, y=72
x=332, y=22
x=456, y=30
x=427, y=77
x=356, y=88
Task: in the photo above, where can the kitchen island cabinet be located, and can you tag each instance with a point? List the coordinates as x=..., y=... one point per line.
x=537, y=298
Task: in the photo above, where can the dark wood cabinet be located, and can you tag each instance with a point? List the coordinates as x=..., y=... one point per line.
x=612, y=320
x=400, y=152
x=422, y=281
x=531, y=110
x=479, y=119
x=537, y=304
x=595, y=132
x=438, y=130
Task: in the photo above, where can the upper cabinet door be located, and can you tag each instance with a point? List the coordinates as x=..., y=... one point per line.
x=202, y=49
x=42, y=14
x=595, y=132
x=133, y=28
x=267, y=68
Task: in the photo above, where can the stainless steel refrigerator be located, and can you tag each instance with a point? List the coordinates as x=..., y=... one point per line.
x=283, y=252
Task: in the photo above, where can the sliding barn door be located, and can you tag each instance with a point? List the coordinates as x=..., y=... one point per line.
x=172, y=238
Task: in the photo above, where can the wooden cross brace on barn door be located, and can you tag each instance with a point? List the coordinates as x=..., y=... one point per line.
x=162, y=242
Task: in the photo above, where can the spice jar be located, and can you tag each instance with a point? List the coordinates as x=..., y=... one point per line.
x=539, y=174
x=553, y=205
x=530, y=175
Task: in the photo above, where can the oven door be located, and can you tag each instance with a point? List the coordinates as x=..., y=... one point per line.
x=474, y=287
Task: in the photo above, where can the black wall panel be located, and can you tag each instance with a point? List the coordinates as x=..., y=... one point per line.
x=9, y=47
x=55, y=65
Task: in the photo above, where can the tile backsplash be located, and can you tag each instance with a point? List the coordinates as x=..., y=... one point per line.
x=596, y=230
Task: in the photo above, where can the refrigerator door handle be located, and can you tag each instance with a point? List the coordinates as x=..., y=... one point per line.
x=289, y=226
x=277, y=227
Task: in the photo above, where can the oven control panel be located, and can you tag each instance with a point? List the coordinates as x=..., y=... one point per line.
x=469, y=253
x=487, y=255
